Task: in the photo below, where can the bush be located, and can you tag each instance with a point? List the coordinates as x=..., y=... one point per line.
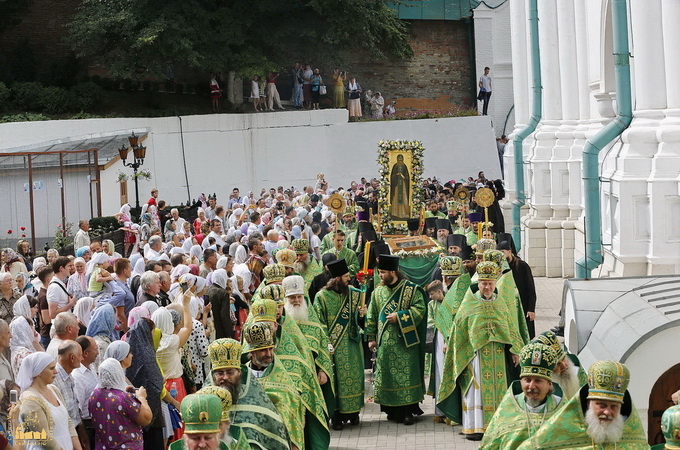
x=56, y=100
x=88, y=95
x=23, y=118
x=4, y=96
x=84, y=115
x=27, y=95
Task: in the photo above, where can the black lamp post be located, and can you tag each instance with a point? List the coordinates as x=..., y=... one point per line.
x=139, y=152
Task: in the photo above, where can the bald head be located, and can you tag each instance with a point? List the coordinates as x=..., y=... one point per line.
x=70, y=354
x=66, y=325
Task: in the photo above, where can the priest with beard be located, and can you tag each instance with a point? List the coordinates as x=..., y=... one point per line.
x=443, y=231
x=252, y=410
x=396, y=326
x=296, y=308
x=305, y=265
x=568, y=371
x=601, y=415
x=275, y=379
x=338, y=311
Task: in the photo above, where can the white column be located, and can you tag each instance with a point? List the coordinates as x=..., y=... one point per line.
x=648, y=54
x=670, y=18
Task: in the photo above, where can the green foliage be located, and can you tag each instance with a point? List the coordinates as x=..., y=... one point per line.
x=250, y=36
x=4, y=96
x=28, y=117
x=88, y=95
x=56, y=100
x=27, y=96
x=84, y=115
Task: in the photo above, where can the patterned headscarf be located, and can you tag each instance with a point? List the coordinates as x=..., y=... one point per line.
x=103, y=321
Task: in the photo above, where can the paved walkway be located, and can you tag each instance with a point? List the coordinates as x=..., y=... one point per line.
x=375, y=432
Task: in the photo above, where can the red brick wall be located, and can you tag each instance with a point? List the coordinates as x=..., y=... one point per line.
x=438, y=75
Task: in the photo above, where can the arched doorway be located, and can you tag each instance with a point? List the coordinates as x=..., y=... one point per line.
x=660, y=401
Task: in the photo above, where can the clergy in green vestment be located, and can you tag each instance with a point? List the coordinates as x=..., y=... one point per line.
x=297, y=308
x=342, y=252
x=528, y=403
x=485, y=344
x=231, y=435
x=568, y=371
x=468, y=228
x=304, y=264
x=337, y=307
x=201, y=414
x=275, y=379
x=600, y=416
x=252, y=411
x=433, y=211
x=294, y=353
x=670, y=427
x=440, y=320
x=396, y=326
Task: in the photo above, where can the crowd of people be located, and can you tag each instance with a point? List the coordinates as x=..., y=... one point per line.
x=251, y=326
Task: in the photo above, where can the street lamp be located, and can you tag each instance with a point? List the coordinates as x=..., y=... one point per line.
x=139, y=152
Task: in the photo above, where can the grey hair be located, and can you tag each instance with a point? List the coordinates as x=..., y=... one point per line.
x=3, y=324
x=53, y=251
x=147, y=279
x=63, y=321
x=5, y=275
x=67, y=348
x=155, y=240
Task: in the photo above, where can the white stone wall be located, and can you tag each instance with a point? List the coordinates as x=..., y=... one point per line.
x=252, y=151
x=493, y=50
x=640, y=171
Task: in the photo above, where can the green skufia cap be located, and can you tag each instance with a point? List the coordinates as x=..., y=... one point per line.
x=201, y=413
x=670, y=426
x=450, y=265
x=608, y=380
x=550, y=339
x=537, y=360
x=223, y=394
x=300, y=246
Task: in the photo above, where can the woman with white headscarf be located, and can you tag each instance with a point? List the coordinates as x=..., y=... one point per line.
x=195, y=253
x=83, y=311
x=26, y=307
x=97, y=270
x=150, y=306
x=77, y=283
x=125, y=220
x=117, y=415
x=109, y=247
x=138, y=269
x=42, y=406
x=25, y=341
x=178, y=271
x=172, y=340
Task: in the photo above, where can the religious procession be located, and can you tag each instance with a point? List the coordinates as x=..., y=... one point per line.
x=259, y=324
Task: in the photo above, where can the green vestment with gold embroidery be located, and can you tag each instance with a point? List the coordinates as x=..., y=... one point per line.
x=350, y=257
x=486, y=329
x=257, y=417
x=293, y=352
x=313, y=269
x=240, y=441
x=339, y=315
x=317, y=339
x=566, y=429
x=513, y=424
x=400, y=362
x=280, y=388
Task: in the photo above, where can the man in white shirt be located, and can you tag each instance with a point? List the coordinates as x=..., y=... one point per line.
x=154, y=251
x=215, y=232
x=210, y=210
x=82, y=237
x=485, y=88
x=179, y=222
x=58, y=298
x=86, y=381
x=66, y=328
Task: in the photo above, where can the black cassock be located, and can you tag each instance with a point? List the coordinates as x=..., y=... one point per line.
x=524, y=280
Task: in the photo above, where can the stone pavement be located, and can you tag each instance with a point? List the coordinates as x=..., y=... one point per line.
x=375, y=432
